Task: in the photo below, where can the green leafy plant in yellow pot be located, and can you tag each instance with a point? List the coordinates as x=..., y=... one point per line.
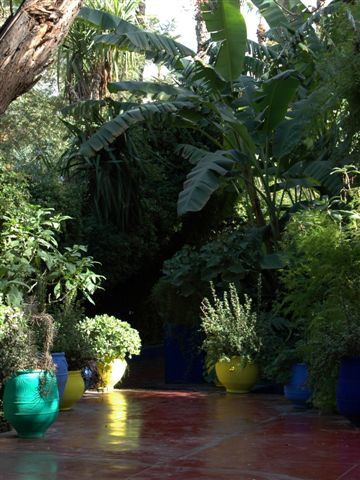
x=231, y=339
x=111, y=341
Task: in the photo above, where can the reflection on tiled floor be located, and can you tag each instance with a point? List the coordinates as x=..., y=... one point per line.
x=185, y=434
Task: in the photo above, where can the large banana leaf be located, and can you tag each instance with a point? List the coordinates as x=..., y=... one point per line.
x=148, y=88
x=275, y=97
x=104, y=20
x=203, y=179
x=303, y=117
x=227, y=26
x=113, y=129
x=320, y=172
x=272, y=12
x=127, y=36
x=199, y=75
x=262, y=51
x=287, y=184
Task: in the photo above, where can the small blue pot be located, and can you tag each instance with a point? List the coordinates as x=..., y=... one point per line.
x=348, y=389
x=184, y=362
x=61, y=371
x=298, y=390
x=87, y=375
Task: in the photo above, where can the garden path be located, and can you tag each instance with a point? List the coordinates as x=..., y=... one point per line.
x=193, y=433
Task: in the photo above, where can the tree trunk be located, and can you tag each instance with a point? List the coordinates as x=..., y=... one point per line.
x=140, y=15
x=202, y=34
x=28, y=41
x=140, y=12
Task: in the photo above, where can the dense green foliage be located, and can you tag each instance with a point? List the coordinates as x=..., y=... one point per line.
x=320, y=292
x=110, y=338
x=255, y=147
x=68, y=338
x=17, y=343
x=32, y=266
x=31, y=132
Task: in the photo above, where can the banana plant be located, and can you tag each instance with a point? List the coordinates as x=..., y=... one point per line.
x=248, y=115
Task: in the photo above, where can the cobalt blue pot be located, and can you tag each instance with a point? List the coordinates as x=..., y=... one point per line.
x=298, y=390
x=348, y=389
x=184, y=361
x=61, y=371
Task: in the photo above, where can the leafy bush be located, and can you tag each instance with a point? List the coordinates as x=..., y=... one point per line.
x=232, y=256
x=110, y=338
x=69, y=338
x=13, y=190
x=281, y=346
x=32, y=264
x=321, y=289
x=17, y=342
x=230, y=327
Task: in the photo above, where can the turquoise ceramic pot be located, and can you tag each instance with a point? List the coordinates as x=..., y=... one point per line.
x=31, y=402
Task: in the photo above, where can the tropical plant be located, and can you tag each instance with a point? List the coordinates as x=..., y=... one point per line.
x=114, y=174
x=320, y=289
x=13, y=191
x=29, y=140
x=230, y=327
x=250, y=119
x=86, y=66
x=18, y=346
x=110, y=338
x=233, y=255
x=68, y=338
x=25, y=342
x=32, y=266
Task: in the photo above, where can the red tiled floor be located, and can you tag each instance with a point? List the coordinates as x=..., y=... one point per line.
x=185, y=435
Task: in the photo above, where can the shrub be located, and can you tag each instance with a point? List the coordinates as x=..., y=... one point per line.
x=69, y=338
x=17, y=342
x=230, y=327
x=321, y=289
x=32, y=264
x=110, y=338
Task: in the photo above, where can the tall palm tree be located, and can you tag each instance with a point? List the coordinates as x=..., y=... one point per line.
x=202, y=34
x=88, y=68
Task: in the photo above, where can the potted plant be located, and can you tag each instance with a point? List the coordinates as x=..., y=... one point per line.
x=334, y=355
x=36, y=274
x=31, y=398
x=231, y=339
x=183, y=359
x=320, y=288
x=282, y=356
x=111, y=341
x=70, y=340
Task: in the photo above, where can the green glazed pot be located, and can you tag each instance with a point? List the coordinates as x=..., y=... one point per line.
x=31, y=402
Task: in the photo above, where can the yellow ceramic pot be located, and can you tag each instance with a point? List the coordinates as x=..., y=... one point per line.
x=111, y=373
x=74, y=390
x=236, y=377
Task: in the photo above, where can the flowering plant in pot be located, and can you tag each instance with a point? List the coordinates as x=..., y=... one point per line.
x=111, y=341
x=231, y=340
x=30, y=397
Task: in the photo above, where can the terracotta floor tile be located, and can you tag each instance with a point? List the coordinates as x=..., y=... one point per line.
x=185, y=435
